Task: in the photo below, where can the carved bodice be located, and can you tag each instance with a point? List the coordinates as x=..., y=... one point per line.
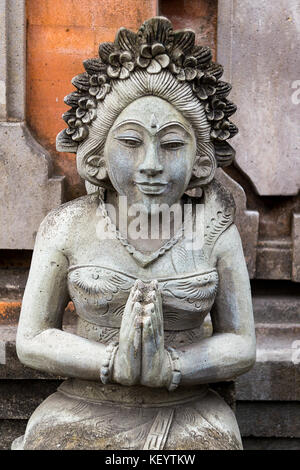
x=188, y=278
x=100, y=294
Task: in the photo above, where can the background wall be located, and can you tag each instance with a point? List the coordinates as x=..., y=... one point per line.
x=59, y=36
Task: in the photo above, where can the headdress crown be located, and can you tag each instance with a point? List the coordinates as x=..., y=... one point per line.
x=155, y=47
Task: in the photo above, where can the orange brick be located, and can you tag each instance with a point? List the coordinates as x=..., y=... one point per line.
x=58, y=12
x=54, y=52
x=9, y=312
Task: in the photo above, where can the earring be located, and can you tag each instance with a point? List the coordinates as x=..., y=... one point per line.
x=96, y=167
x=203, y=171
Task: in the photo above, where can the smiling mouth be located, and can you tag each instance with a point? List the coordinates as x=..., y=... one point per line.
x=147, y=187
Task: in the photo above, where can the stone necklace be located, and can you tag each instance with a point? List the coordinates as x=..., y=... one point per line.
x=141, y=258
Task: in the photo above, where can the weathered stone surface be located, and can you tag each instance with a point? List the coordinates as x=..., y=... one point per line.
x=251, y=443
x=247, y=221
x=270, y=380
x=276, y=308
x=258, y=45
x=19, y=398
x=10, y=429
x=27, y=190
x=296, y=248
x=276, y=374
x=269, y=419
x=274, y=259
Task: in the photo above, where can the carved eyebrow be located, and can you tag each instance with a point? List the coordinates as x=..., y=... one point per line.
x=171, y=124
x=165, y=126
x=129, y=121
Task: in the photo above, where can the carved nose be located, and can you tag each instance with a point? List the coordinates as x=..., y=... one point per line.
x=151, y=166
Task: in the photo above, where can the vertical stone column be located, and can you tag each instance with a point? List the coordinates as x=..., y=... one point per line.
x=258, y=44
x=27, y=189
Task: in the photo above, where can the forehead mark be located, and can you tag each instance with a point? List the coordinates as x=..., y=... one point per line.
x=154, y=123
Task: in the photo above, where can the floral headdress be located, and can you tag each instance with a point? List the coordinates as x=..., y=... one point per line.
x=155, y=47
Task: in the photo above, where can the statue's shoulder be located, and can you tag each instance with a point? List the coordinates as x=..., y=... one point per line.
x=59, y=222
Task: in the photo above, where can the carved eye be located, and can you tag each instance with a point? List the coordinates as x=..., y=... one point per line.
x=130, y=141
x=172, y=144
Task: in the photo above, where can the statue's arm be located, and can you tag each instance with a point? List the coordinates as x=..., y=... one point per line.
x=41, y=343
x=230, y=351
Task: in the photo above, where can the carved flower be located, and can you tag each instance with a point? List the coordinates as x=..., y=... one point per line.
x=153, y=57
x=221, y=130
x=120, y=64
x=215, y=109
x=77, y=130
x=204, y=85
x=96, y=167
x=99, y=88
x=184, y=68
x=86, y=110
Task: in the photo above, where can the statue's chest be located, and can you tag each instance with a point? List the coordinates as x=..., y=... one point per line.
x=100, y=294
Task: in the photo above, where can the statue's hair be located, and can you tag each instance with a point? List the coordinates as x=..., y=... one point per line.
x=156, y=61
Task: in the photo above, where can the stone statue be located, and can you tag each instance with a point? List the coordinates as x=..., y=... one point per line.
x=149, y=124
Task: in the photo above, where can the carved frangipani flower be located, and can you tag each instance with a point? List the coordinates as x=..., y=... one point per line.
x=155, y=47
x=77, y=130
x=120, y=64
x=184, y=68
x=204, y=85
x=96, y=167
x=86, y=110
x=215, y=109
x=223, y=130
x=153, y=57
x=98, y=86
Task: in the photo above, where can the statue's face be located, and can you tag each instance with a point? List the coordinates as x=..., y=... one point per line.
x=150, y=151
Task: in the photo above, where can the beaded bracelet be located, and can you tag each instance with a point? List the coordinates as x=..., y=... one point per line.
x=108, y=362
x=176, y=374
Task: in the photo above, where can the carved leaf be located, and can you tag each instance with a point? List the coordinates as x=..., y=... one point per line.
x=72, y=99
x=202, y=54
x=216, y=70
x=65, y=143
x=230, y=108
x=232, y=129
x=94, y=66
x=223, y=89
x=81, y=82
x=158, y=29
x=224, y=153
x=126, y=40
x=105, y=49
x=184, y=41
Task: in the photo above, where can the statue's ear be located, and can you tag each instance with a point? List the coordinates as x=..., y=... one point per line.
x=96, y=171
x=203, y=171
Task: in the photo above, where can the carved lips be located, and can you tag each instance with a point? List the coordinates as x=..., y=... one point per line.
x=147, y=187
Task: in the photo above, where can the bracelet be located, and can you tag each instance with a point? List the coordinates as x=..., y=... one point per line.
x=175, y=364
x=108, y=362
